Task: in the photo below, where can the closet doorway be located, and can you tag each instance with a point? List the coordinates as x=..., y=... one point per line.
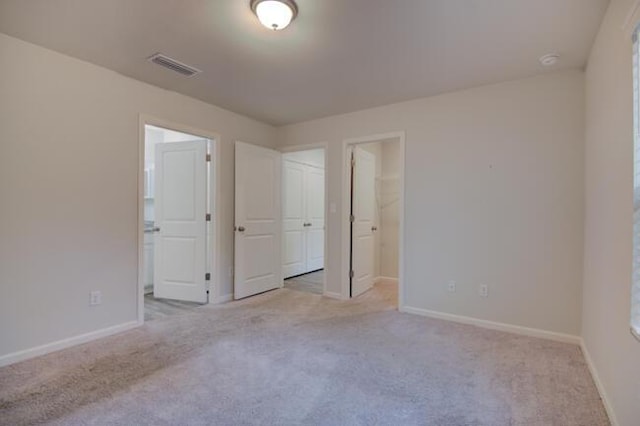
x=303, y=220
x=373, y=216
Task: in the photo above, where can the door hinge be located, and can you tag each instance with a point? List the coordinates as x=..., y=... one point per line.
x=352, y=274
x=208, y=217
x=208, y=157
x=207, y=276
x=352, y=218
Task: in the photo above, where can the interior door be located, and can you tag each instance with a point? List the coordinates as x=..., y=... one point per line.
x=180, y=204
x=315, y=218
x=363, y=226
x=293, y=219
x=258, y=225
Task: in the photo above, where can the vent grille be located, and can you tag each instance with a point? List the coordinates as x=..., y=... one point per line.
x=173, y=65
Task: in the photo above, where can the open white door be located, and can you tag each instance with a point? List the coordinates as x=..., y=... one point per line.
x=258, y=225
x=363, y=226
x=315, y=218
x=180, y=204
x=293, y=219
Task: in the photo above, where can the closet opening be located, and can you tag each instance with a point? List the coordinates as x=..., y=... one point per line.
x=303, y=220
x=373, y=218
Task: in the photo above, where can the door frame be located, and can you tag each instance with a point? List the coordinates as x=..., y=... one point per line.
x=346, y=209
x=324, y=146
x=213, y=243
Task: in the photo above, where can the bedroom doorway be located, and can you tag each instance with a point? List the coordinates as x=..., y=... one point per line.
x=177, y=232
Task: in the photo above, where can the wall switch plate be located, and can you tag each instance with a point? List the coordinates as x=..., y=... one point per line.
x=451, y=287
x=483, y=290
x=95, y=298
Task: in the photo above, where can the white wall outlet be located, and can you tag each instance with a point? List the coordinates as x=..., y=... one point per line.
x=95, y=298
x=483, y=290
x=451, y=286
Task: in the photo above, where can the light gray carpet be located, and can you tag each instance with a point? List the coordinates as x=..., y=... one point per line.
x=295, y=358
x=311, y=282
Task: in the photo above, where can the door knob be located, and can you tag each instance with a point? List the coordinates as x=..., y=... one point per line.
x=156, y=229
x=374, y=228
x=241, y=228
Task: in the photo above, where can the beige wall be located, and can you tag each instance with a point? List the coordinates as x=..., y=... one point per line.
x=609, y=215
x=494, y=195
x=68, y=185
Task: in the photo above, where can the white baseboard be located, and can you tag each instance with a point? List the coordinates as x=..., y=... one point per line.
x=332, y=295
x=23, y=355
x=222, y=299
x=596, y=378
x=526, y=331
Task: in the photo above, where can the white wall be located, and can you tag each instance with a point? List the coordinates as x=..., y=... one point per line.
x=68, y=185
x=609, y=211
x=494, y=195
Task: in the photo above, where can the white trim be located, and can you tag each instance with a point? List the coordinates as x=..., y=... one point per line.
x=509, y=328
x=26, y=354
x=308, y=147
x=346, y=188
x=596, y=378
x=222, y=299
x=214, y=252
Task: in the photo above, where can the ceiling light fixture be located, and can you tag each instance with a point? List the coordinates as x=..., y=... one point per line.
x=275, y=14
x=549, y=60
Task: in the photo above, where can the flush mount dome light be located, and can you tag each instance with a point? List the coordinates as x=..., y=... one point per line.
x=549, y=59
x=275, y=14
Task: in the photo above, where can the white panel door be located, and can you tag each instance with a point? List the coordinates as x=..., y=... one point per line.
x=180, y=218
x=363, y=227
x=293, y=219
x=315, y=218
x=258, y=220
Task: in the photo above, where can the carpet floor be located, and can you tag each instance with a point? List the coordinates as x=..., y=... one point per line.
x=295, y=358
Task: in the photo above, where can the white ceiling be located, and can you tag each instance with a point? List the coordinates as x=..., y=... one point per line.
x=337, y=56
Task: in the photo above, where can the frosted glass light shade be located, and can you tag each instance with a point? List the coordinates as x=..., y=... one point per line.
x=274, y=14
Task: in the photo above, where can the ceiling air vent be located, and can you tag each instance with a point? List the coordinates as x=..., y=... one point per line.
x=173, y=65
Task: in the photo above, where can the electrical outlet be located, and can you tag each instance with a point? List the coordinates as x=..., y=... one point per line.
x=95, y=298
x=483, y=290
x=451, y=287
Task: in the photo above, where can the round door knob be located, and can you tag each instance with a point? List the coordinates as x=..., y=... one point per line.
x=374, y=228
x=241, y=228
